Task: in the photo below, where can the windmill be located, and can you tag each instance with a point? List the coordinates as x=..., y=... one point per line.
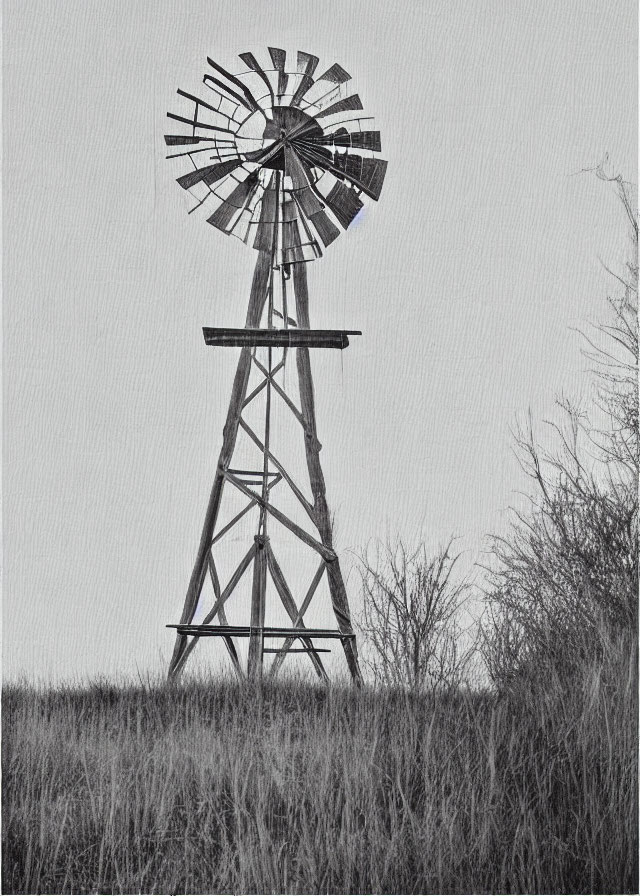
x=280, y=159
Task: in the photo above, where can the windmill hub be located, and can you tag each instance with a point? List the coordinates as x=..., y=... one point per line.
x=286, y=127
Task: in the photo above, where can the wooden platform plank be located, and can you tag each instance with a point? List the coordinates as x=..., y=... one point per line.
x=293, y=338
x=241, y=631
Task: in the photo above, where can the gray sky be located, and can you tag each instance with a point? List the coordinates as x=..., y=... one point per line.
x=465, y=279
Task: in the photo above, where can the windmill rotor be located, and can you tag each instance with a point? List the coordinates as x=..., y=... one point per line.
x=278, y=156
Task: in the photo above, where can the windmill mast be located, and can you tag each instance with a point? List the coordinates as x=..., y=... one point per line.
x=275, y=183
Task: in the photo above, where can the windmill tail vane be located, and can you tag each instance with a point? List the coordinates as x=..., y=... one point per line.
x=280, y=159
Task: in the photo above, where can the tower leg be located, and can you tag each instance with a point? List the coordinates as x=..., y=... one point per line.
x=259, y=289
x=337, y=588
x=258, y=595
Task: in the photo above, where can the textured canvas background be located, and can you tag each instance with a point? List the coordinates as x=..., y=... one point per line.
x=465, y=279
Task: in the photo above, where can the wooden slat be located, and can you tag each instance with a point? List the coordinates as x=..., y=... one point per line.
x=313, y=650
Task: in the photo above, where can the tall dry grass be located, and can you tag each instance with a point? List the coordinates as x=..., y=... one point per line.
x=214, y=788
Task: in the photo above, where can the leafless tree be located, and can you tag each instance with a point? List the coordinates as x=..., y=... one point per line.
x=411, y=619
x=566, y=574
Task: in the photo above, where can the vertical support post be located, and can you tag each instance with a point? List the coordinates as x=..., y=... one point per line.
x=258, y=595
x=259, y=289
x=337, y=588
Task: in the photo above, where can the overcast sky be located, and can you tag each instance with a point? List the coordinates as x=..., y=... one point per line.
x=465, y=278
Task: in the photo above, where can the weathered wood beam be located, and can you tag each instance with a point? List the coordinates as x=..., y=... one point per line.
x=286, y=338
x=258, y=593
x=259, y=289
x=337, y=588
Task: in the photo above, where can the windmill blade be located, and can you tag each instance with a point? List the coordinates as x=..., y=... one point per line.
x=305, y=84
x=181, y=140
x=357, y=140
x=236, y=201
x=325, y=227
x=249, y=97
x=196, y=100
x=279, y=59
x=373, y=174
x=306, y=249
x=237, y=99
x=289, y=209
x=306, y=63
x=344, y=202
x=302, y=192
x=208, y=175
x=307, y=197
x=349, y=102
x=365, y=174
x=336, y=75
x=250, y=60
x=327, y=85
x=266, y=226
x=291, y=242
x=319, y=152
x=220, y=150
x=199, y=124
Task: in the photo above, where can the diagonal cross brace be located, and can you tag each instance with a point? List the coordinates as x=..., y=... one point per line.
x=327, y=553
x=290, y=606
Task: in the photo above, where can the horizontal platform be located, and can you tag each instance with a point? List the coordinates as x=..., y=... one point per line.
x=245, y=631
x=293, y=338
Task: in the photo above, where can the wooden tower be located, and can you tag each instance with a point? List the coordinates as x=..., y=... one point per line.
x=273, y=163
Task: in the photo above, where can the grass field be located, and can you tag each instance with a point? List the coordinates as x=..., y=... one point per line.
x=215, y=788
